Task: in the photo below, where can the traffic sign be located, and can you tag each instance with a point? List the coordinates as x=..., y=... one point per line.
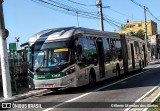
x=12, y=46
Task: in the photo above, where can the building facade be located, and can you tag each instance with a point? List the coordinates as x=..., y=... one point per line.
x=139, y=25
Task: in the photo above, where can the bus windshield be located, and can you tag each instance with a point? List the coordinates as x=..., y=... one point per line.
x=54, y=58
x=39, y=59
x=50, y=56
x=57, y=57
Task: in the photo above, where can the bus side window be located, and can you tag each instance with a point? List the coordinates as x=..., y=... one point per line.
x=118, y=49
x=83, y=43
x=113, y=48
x=92, y=53
x=107, y=51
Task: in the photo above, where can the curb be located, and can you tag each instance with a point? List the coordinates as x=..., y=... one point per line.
x=25, y=95
x=154, y=62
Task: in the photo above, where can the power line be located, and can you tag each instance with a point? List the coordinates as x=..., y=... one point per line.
x=74, y=9
x=123, y=14
x=68, y=8
x=80, y=3
x=60, y=6
x=142, y=6
x=138, y=4
x=155, y=18
x=103, y=6
x=91, y=5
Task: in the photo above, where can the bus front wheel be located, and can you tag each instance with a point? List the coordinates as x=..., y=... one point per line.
x=92, y=78
x=117, y=71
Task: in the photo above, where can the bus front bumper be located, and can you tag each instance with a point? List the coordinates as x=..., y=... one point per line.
x=64, y=82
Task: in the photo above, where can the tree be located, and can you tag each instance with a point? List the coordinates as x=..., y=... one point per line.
x=139, y=33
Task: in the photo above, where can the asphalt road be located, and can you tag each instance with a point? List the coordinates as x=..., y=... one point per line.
x=126, y=89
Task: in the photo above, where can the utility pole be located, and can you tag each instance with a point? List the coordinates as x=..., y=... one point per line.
x=99, y=4
x=77, y=20
x=145, y=26
x=145, y=32
x=7, y=92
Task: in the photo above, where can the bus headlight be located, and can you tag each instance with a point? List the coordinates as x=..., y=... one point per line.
x=69, y=71
x=35, y=76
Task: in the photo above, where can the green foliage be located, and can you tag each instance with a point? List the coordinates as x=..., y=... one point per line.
x=139, y=33
x=156, y=102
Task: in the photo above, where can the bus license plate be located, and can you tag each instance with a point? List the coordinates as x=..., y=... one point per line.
x=48, y=85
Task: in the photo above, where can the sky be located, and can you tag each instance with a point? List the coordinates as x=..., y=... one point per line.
x=23, y=18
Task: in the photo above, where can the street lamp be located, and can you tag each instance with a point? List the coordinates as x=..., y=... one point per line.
x=17, y=40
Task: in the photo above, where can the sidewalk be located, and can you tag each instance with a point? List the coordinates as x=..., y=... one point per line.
x=22, y=94
x=154, y=61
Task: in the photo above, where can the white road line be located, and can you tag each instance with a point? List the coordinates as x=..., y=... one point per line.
x=142, y=97
x=138, y=100
x=48, y=109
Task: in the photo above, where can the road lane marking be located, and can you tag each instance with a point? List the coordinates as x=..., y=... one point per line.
x=83, y=95
x=142, y=97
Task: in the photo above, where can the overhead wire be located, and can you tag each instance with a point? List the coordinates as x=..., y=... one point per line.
x=155, y=18
x=57, y=9
x=122, y=13
x=137, y=3
x=142, y=6
x=80, y=3
x=69, y=9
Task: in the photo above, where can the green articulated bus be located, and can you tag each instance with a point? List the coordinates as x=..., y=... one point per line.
x=76, y=56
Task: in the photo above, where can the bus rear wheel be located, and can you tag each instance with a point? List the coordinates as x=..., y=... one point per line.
x=140, y=65
x=92, y=79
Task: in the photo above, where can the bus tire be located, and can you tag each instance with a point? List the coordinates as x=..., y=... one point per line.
x=117, y=71
x=54, y=89
x=140, y=65
x=92, y=78
x=143, y=64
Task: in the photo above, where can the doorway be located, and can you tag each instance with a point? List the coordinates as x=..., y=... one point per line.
x=100, y=52
x=132, y=53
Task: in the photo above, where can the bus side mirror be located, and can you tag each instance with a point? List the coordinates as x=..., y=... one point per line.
x=79, y=49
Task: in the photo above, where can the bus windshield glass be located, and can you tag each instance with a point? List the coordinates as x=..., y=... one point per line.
x=39, y=59
x=50, y=55
x=57, y=57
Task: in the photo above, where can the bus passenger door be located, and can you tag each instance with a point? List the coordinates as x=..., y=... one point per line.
x=100, y=52
x=133, y=57
x=145, y=57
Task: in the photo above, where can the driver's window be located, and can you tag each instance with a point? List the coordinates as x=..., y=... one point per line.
x=53, y=58
x=83, y=42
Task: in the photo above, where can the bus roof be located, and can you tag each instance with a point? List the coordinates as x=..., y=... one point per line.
x=134, y=38
x=66, y=33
